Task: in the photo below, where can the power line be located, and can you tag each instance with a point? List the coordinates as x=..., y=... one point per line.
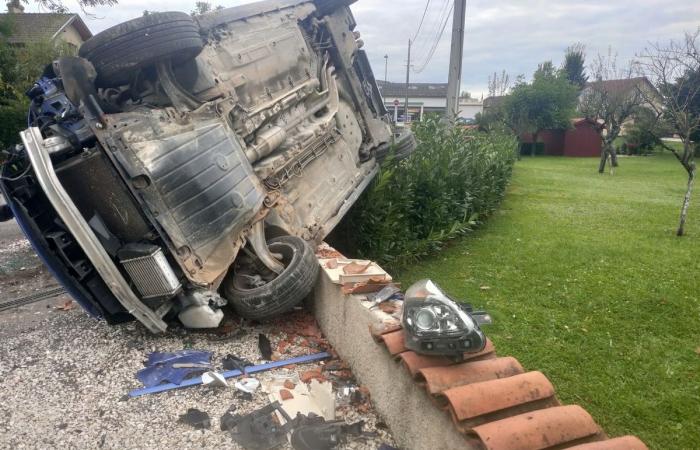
x=435, y=44
x=421, y=21
x=424, y=42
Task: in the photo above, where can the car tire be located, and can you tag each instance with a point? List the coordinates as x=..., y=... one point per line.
x=121, y=50
x=402, y=148
x=282, y=293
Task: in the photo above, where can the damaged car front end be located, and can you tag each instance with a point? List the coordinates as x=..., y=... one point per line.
x=181, y=164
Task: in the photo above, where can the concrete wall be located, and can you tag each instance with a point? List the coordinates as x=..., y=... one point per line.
x=415, y=422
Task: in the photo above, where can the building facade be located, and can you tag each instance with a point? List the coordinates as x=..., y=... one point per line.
x=423, y=98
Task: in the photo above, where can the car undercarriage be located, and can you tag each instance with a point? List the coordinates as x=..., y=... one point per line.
x=180, y=164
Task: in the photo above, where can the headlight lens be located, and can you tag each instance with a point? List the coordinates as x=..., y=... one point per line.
x=425, y=319
x=435, y=324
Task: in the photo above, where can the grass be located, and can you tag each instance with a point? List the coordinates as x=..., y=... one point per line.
x=588, y=283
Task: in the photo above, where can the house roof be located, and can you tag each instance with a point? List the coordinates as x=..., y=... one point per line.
x=494, y=101
x=35, y=27
x=620, y=86
x=390, y=89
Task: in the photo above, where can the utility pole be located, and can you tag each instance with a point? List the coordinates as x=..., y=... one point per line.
x=386, y=66
x=408, y=71
x=456, y=50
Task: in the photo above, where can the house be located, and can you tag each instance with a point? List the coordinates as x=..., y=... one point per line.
x=494, y=102
x=423, y=98
x=28, y=28
x=581, y=140
x=620, y=90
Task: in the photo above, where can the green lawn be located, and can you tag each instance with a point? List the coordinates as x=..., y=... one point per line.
x=588, y=283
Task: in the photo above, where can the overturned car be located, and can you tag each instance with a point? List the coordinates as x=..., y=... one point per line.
x=179, y=164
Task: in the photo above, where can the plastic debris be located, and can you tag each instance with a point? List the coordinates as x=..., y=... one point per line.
x=314, y=433
x=232, y=373
x=316, y=398
x=233, y=362
x=384, y=294
x=259, y=430
x=248, y=385
x=215, y=379
x=173, y=367
x=265, y=347
x=196, y=418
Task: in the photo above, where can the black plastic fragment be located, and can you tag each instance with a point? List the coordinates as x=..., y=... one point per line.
x=198, y=419
x=233, y=362
x=258, y=430
x=265, y=347
x=314, y=433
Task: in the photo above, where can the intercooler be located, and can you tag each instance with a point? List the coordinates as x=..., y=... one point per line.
x=149, y=270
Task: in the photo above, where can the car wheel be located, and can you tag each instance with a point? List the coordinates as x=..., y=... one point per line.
x=119, y=51
x=404, y=144
x=257, y=293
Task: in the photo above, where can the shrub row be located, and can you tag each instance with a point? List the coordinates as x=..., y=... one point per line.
x=453, y=180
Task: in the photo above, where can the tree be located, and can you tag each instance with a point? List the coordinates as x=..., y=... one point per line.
x=575, y=65
x=19, y=68
x=549, y=102
x=203, y=8
x=58, y=6
x=611, y=100
x=674, y=69
x=499, y=84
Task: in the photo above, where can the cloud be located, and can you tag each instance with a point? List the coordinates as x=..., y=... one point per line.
x=513, y=35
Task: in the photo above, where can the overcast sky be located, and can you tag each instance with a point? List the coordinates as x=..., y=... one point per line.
x=514, y=35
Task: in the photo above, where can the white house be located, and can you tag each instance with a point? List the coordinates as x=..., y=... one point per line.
x=423, y=98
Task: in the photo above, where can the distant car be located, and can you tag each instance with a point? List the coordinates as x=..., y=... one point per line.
x=183, y=163
x=466, y=121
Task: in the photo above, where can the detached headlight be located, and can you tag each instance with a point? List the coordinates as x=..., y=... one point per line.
x=436, y=325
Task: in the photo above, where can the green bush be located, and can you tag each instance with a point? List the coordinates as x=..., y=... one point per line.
x=452, y=181
x=13, y=119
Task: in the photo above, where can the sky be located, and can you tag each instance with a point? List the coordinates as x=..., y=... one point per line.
x=510, y=35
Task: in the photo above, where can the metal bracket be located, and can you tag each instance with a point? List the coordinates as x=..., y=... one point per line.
x=257, y=240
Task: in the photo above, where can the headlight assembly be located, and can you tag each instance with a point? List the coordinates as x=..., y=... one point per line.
x=436, y=325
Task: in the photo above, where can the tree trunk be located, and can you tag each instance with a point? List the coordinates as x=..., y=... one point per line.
x=686, y=202
x=533, y=150
x=603, y=159
x=613, y=156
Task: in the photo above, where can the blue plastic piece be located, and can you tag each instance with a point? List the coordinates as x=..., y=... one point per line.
x=231, y=374
x=161, y=366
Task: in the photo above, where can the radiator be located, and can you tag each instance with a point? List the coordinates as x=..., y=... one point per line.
x=151, y=274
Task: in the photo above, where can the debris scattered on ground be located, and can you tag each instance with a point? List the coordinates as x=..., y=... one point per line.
x=325, y=251
x=312, y=374
x=258, y=430
x=386, y=293
x=93, y=363
x=173, y=367
x=355, y=267
x=199, y=420
x=284, y=394
x=248, y=385
x=316, y=434
x=365, y=287
x=265, y=347
x=233, y=362
x=341, y=270
x=66, y=305
x=233, y=373
x=316, y=398
x=214, y=379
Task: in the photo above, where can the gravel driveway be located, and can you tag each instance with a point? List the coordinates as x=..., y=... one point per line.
x=64, y=379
